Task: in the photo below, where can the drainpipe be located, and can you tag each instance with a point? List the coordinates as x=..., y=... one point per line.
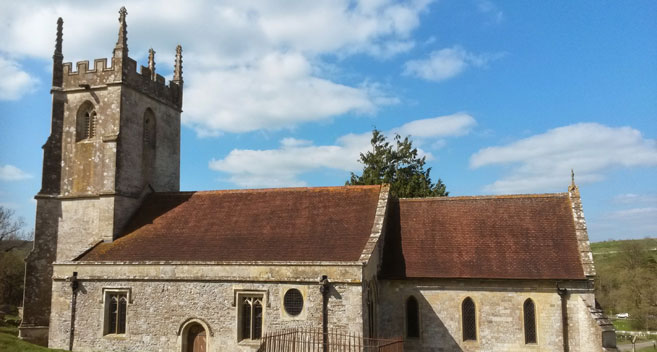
x=74, y=295
x=563, y=293
x=324, y=289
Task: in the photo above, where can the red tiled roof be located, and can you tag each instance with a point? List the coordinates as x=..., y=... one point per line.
x=285, y=224
x=505, y=237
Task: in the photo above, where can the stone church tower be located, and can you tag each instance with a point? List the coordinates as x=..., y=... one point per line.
x=115, y=137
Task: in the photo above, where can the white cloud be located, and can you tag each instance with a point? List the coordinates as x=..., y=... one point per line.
x=284, y=166
x=278, y=91
x=12, y=173
x=628, y=198
x=489, y=8
x=442, y=126
x=635, y=213
x=248, y=65
x=15, y=82
x=447, y=63
x=543, y=162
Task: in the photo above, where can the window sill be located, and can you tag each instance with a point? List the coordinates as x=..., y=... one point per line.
x=115, y=336
x=248, y=342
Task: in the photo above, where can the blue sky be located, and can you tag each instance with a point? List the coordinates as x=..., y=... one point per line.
x=502, y=97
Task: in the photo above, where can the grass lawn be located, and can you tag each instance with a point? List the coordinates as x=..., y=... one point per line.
x=9, y=342
x=623, y=324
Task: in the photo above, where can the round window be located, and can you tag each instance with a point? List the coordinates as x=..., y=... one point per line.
x=293, y=302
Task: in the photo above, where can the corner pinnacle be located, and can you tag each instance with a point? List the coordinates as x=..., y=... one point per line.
x=58, y=41
x=177, y=68
x=151, y=62
x=121, y=48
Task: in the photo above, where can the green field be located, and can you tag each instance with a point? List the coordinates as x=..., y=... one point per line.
x=9, y=341
x=626, y=281
x=614, y=247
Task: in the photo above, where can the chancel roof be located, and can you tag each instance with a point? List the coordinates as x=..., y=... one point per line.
x=495, y=237
x=284, y=224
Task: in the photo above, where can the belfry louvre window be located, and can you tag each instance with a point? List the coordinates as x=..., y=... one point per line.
x=469, y=317
x=529, y=311
x=86, y=122
x=412, y=318
x=116, y=305
x=250, y=317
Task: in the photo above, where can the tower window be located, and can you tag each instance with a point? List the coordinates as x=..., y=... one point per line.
x=529, y=315
x=90, y=118
x=148, y=146
x=86, y=122
x=469, y=317
x=412, y=318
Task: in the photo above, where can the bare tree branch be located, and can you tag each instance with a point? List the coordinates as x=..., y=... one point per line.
x=10, y=225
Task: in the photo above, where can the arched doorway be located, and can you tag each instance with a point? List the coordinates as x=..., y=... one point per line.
x=196, y=338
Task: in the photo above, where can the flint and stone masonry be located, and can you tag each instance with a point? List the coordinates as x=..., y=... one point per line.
x=110, y=220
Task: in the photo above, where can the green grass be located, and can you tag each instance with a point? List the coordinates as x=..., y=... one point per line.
x=623, y=325
x=647, y=349
x=9, y=342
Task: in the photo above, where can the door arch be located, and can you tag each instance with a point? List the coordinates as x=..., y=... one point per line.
x=196, y=338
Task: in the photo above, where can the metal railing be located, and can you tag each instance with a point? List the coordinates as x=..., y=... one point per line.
x=312, y=340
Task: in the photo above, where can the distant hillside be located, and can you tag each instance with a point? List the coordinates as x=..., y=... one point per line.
x=15, y=245
x=627, y=279
x=613, y=247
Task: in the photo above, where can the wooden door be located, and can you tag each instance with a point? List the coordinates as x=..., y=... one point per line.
x=196, y=339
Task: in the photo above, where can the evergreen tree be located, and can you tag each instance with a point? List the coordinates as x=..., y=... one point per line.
x=399, y=166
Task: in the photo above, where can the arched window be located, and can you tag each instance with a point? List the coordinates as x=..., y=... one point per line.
x=116, y=304
x=149, y=128
x=469, y=317
x=250, y=317
x=86, y=121
x=529, y=313
x=148, y=145
x=412, y=318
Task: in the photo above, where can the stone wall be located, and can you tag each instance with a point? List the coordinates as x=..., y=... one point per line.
x=499, y=311
x=166, y=172
x=161, y=304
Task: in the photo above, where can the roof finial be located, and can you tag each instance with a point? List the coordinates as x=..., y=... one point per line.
x=572, y=177
x=177, y=68
x=151, y=62
x=572, y=186
x=121, y=48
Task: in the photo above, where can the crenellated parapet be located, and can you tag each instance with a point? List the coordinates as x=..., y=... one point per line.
x=119, y=70
x=100, y=74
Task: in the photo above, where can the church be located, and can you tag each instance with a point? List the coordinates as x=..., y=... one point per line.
x=125, y=261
